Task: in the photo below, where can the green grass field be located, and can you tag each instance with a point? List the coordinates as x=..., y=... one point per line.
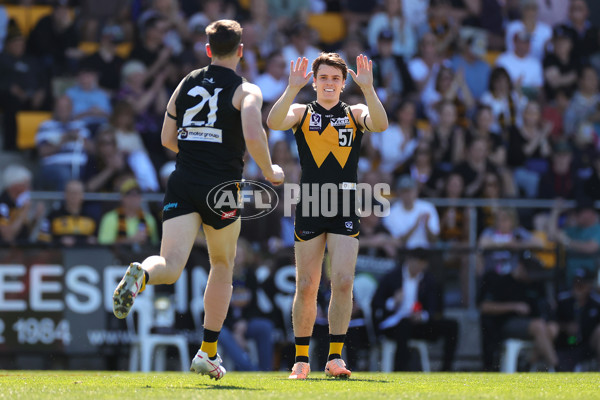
x=92, y=385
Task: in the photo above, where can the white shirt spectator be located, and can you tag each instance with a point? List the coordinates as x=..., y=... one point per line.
x=501, y=106
x=528, y=69
x=539, y=38
x=393, y=147
x=400, y=221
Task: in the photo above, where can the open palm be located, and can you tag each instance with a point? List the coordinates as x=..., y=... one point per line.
x=298, y=75
x=364, y=72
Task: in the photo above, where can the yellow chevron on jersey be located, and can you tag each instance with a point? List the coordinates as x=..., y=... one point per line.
x=336, y=139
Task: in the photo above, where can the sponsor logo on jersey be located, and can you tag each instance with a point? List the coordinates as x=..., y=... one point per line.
x=340, y=121
x=306, y=232
x=182, y=133
x=315, y=122
x=167, y=207
x=228, y=214
x=349, y=225
x=201, y=134
x=209, y=80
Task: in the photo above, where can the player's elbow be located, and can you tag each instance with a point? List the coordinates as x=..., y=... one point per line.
x=381, y=126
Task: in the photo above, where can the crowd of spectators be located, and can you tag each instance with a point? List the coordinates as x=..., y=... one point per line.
x=487, y=99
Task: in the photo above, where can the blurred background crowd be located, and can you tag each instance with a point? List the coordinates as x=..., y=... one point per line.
x=490, y=100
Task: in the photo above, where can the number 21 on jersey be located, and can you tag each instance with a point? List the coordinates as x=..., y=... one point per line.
x=205, y=97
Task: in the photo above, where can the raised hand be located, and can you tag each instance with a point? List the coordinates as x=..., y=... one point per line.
x=364, y=72
x=298, y=75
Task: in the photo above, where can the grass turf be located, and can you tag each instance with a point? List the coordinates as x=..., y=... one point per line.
x=63, y=385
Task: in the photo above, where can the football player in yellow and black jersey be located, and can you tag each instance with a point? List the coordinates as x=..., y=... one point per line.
x=328, y=133
x=211, y=118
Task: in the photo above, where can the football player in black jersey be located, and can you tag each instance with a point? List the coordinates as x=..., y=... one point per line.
x=211, y=118
x=328, y=133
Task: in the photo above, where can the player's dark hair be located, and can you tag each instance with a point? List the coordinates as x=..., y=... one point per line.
x=224, y=37
x=331, y=59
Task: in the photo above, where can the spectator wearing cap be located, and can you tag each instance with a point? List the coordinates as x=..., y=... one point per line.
x=560, y=67
x=408, y=304
x=63, y=144
x=524, y=69
x=23, y=84
x=473, y=45
x=393, y=18
x=128, y=224
x=90, y=103
x=560, y=179
x=581, y=239
x=106, y=60
x=539, y=32
x=18, y=216
x=513, y=305
x=578, y=318
x=584, y=107
x=583, y=32
x=54, y=40
x=390, y=72
x=414, y=222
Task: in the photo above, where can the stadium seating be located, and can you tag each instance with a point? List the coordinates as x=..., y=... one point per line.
x=388, y=351
x=510, y=354
x=146, y=343
x=330, y=26
x=27, y=126
x=89, y=48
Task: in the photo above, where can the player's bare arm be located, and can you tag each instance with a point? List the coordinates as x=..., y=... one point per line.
x=284, y=115
x=254, y=134
x=371, y=117
x=168, y=135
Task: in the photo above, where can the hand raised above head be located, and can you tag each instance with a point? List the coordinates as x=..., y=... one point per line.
x=298, y=75
x=364, y=72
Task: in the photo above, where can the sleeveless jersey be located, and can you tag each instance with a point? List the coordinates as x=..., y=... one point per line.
x=329, y=145
x=209, y=129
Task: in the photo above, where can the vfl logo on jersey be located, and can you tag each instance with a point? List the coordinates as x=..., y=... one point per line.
x=349, y=225
x=340, y=121
x=315, y=122
x=209, y=80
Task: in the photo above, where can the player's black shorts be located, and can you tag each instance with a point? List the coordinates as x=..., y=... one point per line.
x=183, y=197
x=306, y=228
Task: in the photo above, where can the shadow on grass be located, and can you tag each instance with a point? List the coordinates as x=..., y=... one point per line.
x=206, y=386
x=342, y=380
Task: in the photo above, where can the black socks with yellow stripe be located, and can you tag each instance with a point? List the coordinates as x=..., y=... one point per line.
x=336, y=344
x=302, y=348
x=209, y=343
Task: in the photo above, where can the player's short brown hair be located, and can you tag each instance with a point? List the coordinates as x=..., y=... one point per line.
x=333, y=60
x=224, y=37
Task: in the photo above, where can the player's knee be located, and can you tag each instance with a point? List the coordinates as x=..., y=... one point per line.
x=342, y=283
x=306, y=287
